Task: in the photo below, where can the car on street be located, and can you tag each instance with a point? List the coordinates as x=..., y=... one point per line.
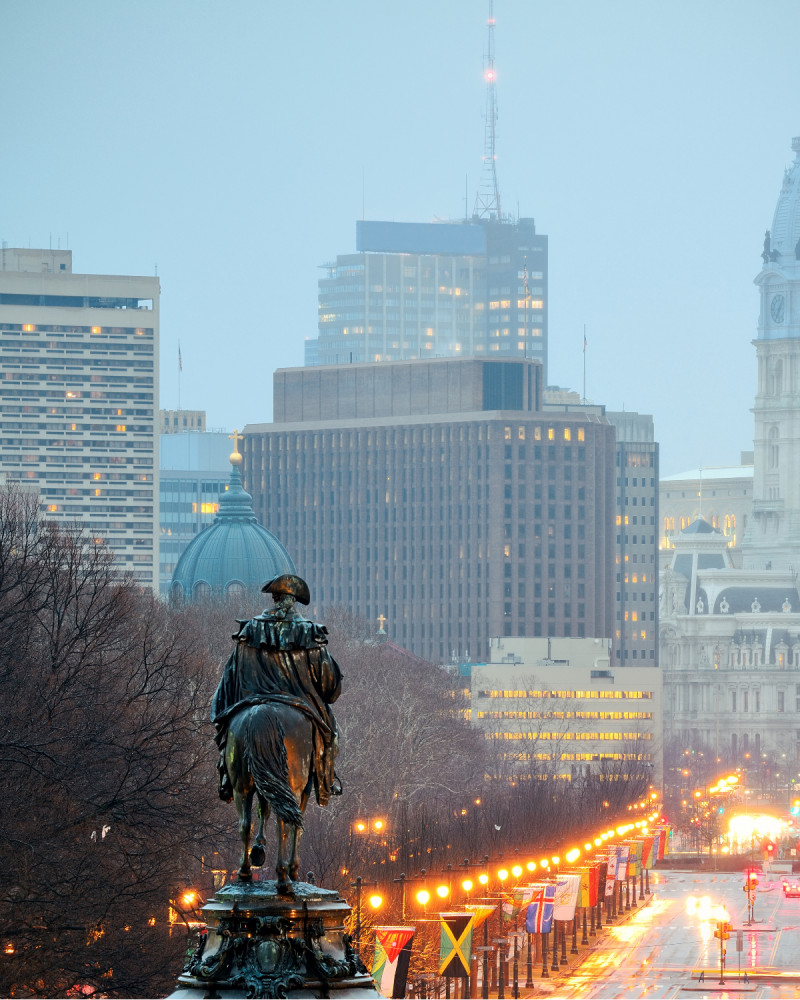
x=791, y=889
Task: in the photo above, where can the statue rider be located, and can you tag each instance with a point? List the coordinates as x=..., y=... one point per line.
x=280, y=656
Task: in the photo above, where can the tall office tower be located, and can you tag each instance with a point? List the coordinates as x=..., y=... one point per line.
x=470, y=288
x=636, y=626
x=79, y=399
x=427, y=290
x=772, y=538
x=437, y=499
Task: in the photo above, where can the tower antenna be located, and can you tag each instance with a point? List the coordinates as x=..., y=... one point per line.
x=487, y=200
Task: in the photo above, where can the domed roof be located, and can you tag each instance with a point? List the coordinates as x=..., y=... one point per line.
x=234, y=554
x=785, y=231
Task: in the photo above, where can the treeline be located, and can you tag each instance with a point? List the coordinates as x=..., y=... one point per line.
x=108, y=778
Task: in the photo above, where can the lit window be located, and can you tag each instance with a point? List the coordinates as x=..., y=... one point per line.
x=96, y=329
x=567, y=434
x=28, y=327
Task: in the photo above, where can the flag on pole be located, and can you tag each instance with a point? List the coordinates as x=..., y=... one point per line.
x=539, y=917
x=455, y=947
x=392, y=957
x=180, y=359
x=566, y=897
x=480, y=913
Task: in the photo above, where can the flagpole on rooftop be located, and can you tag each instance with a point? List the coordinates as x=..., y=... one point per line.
x=584, y=364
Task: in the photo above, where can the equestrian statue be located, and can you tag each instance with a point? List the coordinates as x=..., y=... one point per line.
x=275, y=730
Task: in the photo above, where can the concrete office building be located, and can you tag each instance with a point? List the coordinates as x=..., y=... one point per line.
x=636, y=536
x=562, y=710
x=79, y=398
x=439, y=499
x=427, y=290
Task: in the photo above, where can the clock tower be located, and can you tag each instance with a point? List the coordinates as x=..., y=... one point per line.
x=772, y=537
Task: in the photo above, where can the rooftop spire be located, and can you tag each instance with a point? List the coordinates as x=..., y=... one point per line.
x=487, y=200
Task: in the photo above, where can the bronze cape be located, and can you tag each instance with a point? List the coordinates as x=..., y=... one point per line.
x=281, y=657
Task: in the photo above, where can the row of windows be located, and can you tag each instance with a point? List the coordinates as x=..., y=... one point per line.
x=638, y=695
x=565, y=715
x=571, y=736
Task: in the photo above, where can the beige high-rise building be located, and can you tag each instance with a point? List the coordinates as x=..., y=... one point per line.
x=79, y=398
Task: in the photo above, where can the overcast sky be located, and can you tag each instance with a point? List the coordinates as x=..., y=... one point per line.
x=230, y=145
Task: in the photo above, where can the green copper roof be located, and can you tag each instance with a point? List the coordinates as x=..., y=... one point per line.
x=234, y=553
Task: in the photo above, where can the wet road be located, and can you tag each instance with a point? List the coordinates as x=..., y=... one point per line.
x=661, y=949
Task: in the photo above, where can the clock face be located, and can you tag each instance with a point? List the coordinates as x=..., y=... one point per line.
x=776, y=308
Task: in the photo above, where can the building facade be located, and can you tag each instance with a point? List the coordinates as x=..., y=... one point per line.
x=723, y=496
x=79, y=399
x=636, y=538
x=194, y=472
x=427, y=290
x=562, y=710
x=730, y=651
x=437, y=499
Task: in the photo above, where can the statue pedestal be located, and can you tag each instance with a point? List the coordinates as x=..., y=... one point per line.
x=260, y=944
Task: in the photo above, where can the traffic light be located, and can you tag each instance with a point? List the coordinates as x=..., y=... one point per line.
x=795, y=810
x=769, y=847
x=750, y=884
x=723, y=931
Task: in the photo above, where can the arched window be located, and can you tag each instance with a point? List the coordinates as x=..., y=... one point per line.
x=773, y=449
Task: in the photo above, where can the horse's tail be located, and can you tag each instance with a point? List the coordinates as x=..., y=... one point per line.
x=265, y=754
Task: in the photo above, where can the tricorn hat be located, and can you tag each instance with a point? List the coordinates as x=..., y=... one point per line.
x=288, y=584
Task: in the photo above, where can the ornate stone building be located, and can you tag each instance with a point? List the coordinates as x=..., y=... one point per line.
x=729, y=638
x=730, y=652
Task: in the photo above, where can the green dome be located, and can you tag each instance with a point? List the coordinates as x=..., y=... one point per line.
x=233, y=556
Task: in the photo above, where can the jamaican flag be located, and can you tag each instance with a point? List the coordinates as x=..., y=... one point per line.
x=455, y=950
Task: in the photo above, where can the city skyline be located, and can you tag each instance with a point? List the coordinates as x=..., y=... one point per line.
x=236, y=150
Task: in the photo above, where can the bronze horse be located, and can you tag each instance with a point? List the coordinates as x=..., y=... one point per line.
x=275, y=729
x=268, y=754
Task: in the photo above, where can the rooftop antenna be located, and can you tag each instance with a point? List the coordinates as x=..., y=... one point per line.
x=487, y=200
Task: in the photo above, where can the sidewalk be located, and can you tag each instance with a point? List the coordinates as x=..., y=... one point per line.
x=556, y=982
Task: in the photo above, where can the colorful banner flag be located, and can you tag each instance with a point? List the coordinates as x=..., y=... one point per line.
x=584, y=893
x=622, y=862
x=455, y=948
x=512, y=904
x=480, y=912
x=594, y=882
x=539, y=917
x=647, y=851
x=392, y=957
x=602, y=876
x=566, y=898
x=634, y=857
x=611, y=870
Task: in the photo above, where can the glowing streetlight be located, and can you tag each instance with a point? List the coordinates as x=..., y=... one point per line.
x=376, y=901
x=442, y=891
x=516, y=871
x=423, y=897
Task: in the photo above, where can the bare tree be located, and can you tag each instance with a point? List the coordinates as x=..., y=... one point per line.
x=104, y=766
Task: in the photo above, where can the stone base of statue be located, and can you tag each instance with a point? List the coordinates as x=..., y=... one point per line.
x=260, y=944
